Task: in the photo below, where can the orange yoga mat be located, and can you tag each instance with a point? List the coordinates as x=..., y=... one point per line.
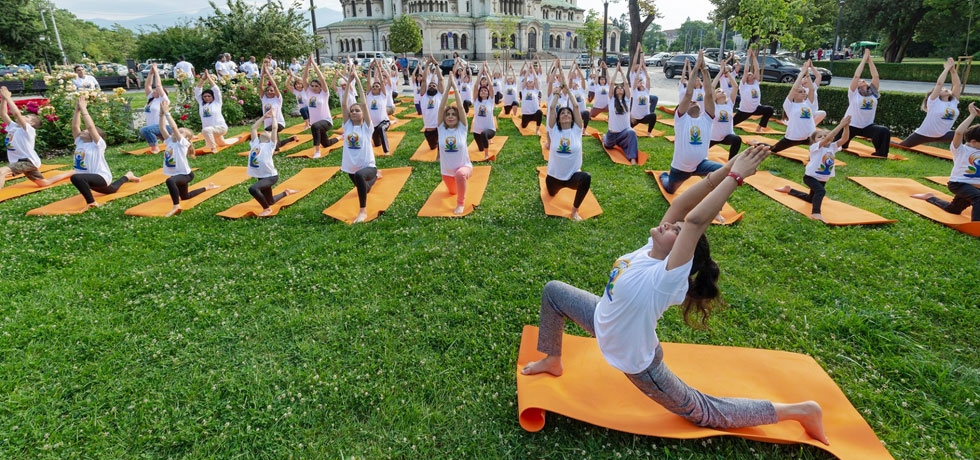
x=394, y=138
x=159, y=207
x=76, y=204
x=834, y=212
x=295, y=129
x=941, y=180
x=43, y=169
x=601, y=116
x=237, y=140
x=146, y=150
x=899, y=191
x=380, y=197
x=442, y=204
x=666, y=121
x=300, y=139
x=728, y=213
x=866, y=151
x=617, y=155
x=751, y=127
x=530, y=130
x=925, y=149
x=304, y=182
x=424, y=153
x=496, y=144
x=324, y=151
x=592, y=391
x=560, y=205
x=409, y=114
x=666, y=109
x=796, y=152
x=27, y=187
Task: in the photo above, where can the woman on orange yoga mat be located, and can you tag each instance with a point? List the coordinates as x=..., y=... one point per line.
x=941, y=111
x=964, y=180
x=213, y=125
x=260, y=164
x=432, y=101
x=454, y=160
x=619, y=133
x=484, y=123
x=692, y=127
x=820, y=168
x=674, y=268
x=91, y=170
x=20, y=139
x=175, y=166
x=565, y=159
x=358, y=157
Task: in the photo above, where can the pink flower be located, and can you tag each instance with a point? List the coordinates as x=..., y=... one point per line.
x=51, y=118
x=241, y=102
x=183, y=117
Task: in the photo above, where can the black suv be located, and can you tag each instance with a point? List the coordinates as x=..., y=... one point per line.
x=447, y=66
x=675, y=66
x=785, y=70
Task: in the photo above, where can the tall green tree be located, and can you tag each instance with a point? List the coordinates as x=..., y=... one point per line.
x=20, y=27
x=504, y=29
x=892, y=22
x=591, y=33
x=184, y=39
x=641, y=14
x=269, y=28
x=406, y=37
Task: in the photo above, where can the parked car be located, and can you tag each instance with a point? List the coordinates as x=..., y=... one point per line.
x=675, y=66
x=583, y=61
x=613, y=59
x=120, y=69
x=166, y=70
x=658, y=59
x=447, y=66
x=785, y=70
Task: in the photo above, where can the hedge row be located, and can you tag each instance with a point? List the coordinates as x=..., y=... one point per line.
x=904, y=72
x=899, y=111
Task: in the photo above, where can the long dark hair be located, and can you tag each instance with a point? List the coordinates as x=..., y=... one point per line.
x=620, y=102
x=703, y=295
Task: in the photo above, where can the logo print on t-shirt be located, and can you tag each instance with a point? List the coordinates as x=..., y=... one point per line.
x=755, y=94
x=169, y=159
x=723, y=116
x=80, y=160
x=312, y=103
x=482, y=111
x=528, y=97
x=867, y=103
x=207, y=111
x=7, y=141
x=374, y=104
x=618, y=268
x=642, y=100
x=510, y=92
x=353, y=141
x=695, y=135
x=564, y=146
x=253, y=158
x=950, y=114
x=603, y=91
x=973, y=170
x=266, y=108
x=826, y=165
x=451, y=146
x=431, y=104
x=805, y=113
x=699, y=97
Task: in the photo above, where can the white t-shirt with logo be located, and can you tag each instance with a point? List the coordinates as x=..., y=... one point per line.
x=691, y=141
x=940, y=116
x=751, y=95
x=619, y=121
x=430, y=109
x=378, y=106
x=640, y=289
x=565, y=155
x=510, y=94
x=210, y=113
x=601, y=99
x=152, y=110
x=821, y=164
x=453, y=152
x=722, y=126
x=275, y=103
x=966, y=165
x=318, y=104
x=530, y=104
x=175, y=157
x=20, y=144
x=862, y=109
x=358, y=150
x=89, y=158
x=260, y=163
x=640, y=104
x=799, y=124
x=483, y=118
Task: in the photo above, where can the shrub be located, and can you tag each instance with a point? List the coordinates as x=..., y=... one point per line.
x=902, y=71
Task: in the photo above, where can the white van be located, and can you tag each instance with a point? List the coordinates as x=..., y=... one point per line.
x=361, y=56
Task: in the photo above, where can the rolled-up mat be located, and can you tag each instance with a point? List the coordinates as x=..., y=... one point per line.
x=899, y=190
x=617, y=155
x=27, y=187
x=442, y=204
x=728, y=213
x=496, y=144
x=866, y=151
x=592, y=391
x=160, y=206
x=43, y=168
x=666, y=109
x=834, y=212
x=304, y=182
x=380, y=197
x=796, y=152
x=924, y=149
x=560, y=205
x=235, y=141
x=76, y=204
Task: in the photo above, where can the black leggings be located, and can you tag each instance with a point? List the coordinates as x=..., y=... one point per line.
x=380, y=135
x=527, y=119
x=785, y=143
x=964, y=195
x=363, y=180
x=733, y=141
x=319, y=131
x=497, y=98
x=432, y=137
x=466, y=106
x=817, y=192
x=650, y=119
x=87, y=183
x=580, y=181
x=880, y=136
x=918, y=139
x=483, y=139
x=586, y=117
x=508, y=108
x=261, y=190
x=763, y=110
x=177, y=185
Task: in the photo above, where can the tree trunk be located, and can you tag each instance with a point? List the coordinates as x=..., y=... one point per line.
x=899, y=39
x=637, y=27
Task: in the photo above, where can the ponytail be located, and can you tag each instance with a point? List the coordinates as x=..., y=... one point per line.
x=703, y=295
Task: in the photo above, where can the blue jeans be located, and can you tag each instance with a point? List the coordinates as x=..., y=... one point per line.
x=150, y=133
x=677, y=177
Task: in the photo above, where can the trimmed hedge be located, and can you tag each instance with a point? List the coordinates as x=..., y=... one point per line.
x=905, y=72
x=899, y=111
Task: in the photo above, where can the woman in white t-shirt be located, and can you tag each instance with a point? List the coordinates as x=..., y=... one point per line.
x=619, y=133
x=484, y=123
x=862, y=106
x=318, y=104
x=820, y=168
x=964, y=179
x=511, y=94
x=175, y=166
x=673, y=268
x=799, y=111
x=565, y=128
x=272, y=100
x=155, y=93
x=213, y=125
x=941, y=108
x=750, y=93
x=91, y=170
x=358, y=156
x=297, y=86
x=600, y=103
x=643, y=106
x=531, y=102
x=692, y=131
x=454, y=159
x=722, y=128
x=380, y=105
x=260, y=165
x=20, y=140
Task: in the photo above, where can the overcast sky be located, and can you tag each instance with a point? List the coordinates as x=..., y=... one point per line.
x=674, y=12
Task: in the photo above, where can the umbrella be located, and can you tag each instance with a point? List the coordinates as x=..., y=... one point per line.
x=863, y=44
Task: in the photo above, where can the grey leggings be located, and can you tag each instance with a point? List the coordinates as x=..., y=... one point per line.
x=560, y=301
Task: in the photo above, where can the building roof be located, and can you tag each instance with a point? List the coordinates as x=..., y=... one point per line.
x=561, y=3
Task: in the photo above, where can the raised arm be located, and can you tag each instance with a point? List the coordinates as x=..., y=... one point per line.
x=445, y=101
x=844, y=126
x=942, y=79
x=260, y=122
x=148, y=83
x=798, y=84
x=817, y=76
x=685, y=103
x=957, y=87
x=859, y=70
x=699, y=205
x=6, y=99
x=272, y=81
x=709, y=101
x=553, y=110
x=874, y=70
x=576, y=112
x=964, y=126
x=734, y=85
x=360, y=90
x=168, y=121
x=89, y=124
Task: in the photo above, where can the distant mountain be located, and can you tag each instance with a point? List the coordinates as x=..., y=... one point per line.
x=324, y=16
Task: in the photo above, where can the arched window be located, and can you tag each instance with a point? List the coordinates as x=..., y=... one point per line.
x=612, y=43
x=359, y=45
x=455, y=41
x=368, y=4
x=575, y=42
x=464, y=42
x=551, y=41
x=444, y=41
x=558, y=41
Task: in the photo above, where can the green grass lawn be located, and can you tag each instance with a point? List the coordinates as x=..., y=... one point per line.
x=299, y=336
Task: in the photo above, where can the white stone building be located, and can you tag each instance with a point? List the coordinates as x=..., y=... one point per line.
x=462, y=26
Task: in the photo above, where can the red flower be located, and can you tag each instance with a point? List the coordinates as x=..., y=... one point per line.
x=241, y=88
x=183, y=117
x=187, y=106
x=51, y=118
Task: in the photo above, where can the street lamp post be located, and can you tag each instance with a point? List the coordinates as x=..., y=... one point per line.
x=605, y=28
x=313, y=17
x=840, y=7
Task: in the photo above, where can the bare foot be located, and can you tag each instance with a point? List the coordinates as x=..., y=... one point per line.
x=633, y=161
x=758, y=129
x=922, y=196
x=194, y=155
x=93, y=204
x=154, y=150
x=379, y=175
x=783, y=189
x=459, y=210
x=290, y=191
x=819, y=217
x=550, y=365
x=809, y=414
x=266, y=212
x=720, y=219
x=211, y=186
x=652, y=134
x=361, y=216
x=173, y=212
x=132, y=177
x=575, y=216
